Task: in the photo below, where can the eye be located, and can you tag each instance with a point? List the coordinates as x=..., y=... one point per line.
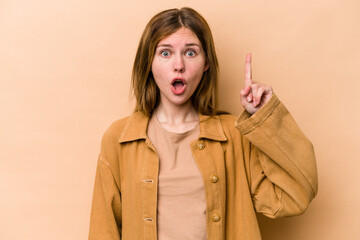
x=165, y=53
x=190, y=53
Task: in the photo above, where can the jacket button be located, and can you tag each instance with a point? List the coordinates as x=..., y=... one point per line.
x=215, y=217
x=200, y=145
x=214, y=178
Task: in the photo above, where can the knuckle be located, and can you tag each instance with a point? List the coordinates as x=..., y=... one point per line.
x=256, y=86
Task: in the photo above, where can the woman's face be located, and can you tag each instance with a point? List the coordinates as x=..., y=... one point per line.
x=178, y=66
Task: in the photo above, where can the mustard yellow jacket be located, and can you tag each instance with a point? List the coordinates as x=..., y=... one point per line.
x=262, y=163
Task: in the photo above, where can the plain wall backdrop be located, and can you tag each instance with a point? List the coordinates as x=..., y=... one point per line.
x=65, y=69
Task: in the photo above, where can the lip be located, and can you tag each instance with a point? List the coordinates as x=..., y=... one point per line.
x=178, y=91
x=178, y=79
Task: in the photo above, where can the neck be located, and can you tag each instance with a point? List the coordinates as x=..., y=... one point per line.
x=176, y=114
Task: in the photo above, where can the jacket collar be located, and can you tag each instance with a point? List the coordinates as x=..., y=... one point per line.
x=136, y=126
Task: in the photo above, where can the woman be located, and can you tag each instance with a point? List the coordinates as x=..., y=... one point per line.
x=179, y=169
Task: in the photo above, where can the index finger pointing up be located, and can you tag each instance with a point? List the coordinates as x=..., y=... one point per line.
x=248, y=77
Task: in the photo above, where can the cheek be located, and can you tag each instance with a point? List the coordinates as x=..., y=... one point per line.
x=159, y=68
x=198, y=64
x=156, y=71
x=197, y=69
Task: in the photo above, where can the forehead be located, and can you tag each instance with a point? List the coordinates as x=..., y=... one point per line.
x=182, y=36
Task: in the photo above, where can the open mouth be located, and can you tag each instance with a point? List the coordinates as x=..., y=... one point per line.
x=178, y=86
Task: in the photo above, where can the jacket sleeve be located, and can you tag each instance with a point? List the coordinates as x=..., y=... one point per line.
x=105, y=220
x=279, y=161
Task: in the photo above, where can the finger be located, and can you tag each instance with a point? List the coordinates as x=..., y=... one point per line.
x=259, y=95
x=249, y=97
x=245, y=91
x=245, y=94
x=254, y=90
x=268, y=90
x=243, y=100
x=248, y=74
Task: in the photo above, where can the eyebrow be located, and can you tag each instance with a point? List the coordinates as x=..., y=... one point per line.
x=186, y=45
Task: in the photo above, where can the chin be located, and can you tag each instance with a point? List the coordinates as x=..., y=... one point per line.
x=180, y=102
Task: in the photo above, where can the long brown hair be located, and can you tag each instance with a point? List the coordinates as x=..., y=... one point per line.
x=163, y=24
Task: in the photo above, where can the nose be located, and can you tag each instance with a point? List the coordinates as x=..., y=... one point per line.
x=179, y=65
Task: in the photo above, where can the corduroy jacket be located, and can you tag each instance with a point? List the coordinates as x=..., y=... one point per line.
x=260, y=163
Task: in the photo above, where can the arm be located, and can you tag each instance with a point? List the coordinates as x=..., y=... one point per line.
x=105, y=220
x=280, y=161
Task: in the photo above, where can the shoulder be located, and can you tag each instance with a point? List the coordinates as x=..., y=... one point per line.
x=116, y=128
x=127, y=129
x=219, y=127
x=227, y=118
x=228, y=122
x=111, y=138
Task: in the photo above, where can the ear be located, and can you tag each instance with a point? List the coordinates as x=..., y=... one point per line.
x=206, y=67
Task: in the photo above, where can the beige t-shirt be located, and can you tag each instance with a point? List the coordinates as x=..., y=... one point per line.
x=181, y=211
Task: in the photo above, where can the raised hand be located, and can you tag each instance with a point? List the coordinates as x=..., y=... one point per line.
x=254, y=95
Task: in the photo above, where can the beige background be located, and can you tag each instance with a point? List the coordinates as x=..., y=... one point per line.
x=65, y=70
